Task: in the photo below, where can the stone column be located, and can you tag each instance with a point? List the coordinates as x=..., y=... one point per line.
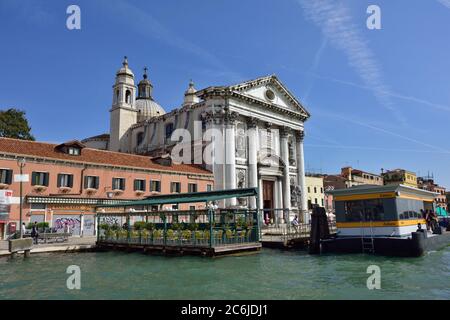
x=284, y=148
x=301, y=174
x=252, y=132
x=230, y=153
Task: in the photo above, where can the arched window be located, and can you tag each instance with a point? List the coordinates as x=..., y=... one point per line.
x=169, y=130
x=140, y=138
x=128, y=97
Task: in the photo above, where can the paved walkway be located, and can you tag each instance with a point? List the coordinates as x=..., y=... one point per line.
x=74, y=244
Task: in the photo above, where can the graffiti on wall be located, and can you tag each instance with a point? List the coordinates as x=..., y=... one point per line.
x=74, y=223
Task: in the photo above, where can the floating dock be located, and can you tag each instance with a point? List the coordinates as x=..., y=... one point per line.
x=214, y=251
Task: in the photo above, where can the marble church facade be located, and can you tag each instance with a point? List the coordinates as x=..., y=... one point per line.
x=257, y=126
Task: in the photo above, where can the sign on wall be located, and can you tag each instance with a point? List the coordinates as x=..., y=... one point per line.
x=5, y=204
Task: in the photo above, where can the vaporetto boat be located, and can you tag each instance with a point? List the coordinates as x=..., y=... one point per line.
x=386, y=220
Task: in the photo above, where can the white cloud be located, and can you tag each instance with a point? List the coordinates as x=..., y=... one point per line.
x=335, y=21
x=388, y=93
x=445, y=3
x=147, y=25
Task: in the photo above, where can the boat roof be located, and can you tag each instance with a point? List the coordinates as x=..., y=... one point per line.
x=374, y=189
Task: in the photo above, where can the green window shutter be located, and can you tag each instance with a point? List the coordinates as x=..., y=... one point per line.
x=86, y=182
x=33, y=179
x=9, y=176
x=97, y=181
x=70, y=180
x=136, y=187
x=58, y=182
x=46, y=176
x=143, y=185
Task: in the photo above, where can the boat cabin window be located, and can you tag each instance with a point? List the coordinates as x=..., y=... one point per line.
x=409, y=209
x=364, y=210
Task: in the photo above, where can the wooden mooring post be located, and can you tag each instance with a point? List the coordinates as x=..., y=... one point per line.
x=319, y=229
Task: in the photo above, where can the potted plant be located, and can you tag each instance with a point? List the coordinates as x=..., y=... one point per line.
x=186, y=235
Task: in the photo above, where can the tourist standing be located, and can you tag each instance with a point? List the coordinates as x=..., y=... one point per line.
x=67, y=228
x=35, y=233
x=24, y=229
x=295, y=223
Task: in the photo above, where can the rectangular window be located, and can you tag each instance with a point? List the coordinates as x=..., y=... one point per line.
x=175, y=187
x=38, y=206
x=139, y=185
x=6, y=176
x=39, y=179
x=364, y=210
x=91, y=182
x=192, y=187
x=74, y=151
x=209, y=187
x=65, y=180
x=155, y=186
x=118, y=184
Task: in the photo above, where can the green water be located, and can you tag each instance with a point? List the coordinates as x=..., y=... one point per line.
x=272, y=274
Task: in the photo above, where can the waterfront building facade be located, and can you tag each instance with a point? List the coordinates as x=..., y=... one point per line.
x=400, y=176
x=315, y=191
x=254, y=132
x=349, y=177
x=428, y=183
x=66, y=182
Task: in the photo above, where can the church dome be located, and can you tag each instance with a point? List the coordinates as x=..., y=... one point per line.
x=148, y=108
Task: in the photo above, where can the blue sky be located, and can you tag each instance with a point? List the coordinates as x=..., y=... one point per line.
x=378, y=98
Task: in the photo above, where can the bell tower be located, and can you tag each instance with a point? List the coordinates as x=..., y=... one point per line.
x=123, y=113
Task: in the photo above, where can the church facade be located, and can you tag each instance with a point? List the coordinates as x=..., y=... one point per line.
x=248, y=135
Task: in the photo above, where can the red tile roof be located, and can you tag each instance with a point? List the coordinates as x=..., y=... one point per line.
x=93, y=156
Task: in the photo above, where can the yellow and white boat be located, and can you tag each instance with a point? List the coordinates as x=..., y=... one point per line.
x=386, y=220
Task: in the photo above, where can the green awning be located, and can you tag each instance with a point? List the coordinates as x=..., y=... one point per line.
x=441, y=212
x=187, y=198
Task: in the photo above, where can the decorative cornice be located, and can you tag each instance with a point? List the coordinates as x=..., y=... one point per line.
x=300, y=135
x=285, y=132
x=225, y=92
x=252, y=122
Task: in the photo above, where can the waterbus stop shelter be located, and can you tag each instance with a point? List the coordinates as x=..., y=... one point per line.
x=142, y=225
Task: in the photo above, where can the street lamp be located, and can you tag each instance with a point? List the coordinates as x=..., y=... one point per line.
x=21, y=163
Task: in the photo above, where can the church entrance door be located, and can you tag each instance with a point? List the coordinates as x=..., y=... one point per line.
x=268, y=201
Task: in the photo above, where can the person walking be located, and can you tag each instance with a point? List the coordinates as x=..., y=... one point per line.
x=24, y=229
x=295, y=224
x=35, y=233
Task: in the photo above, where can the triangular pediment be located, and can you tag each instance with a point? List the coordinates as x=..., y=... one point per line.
x=270, y=90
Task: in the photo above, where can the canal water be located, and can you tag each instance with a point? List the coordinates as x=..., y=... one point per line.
x=272, y=274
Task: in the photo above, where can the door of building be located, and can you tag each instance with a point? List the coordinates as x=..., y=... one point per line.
x=268, y=202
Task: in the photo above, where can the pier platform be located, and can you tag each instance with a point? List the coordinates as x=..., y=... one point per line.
x=214, y=251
